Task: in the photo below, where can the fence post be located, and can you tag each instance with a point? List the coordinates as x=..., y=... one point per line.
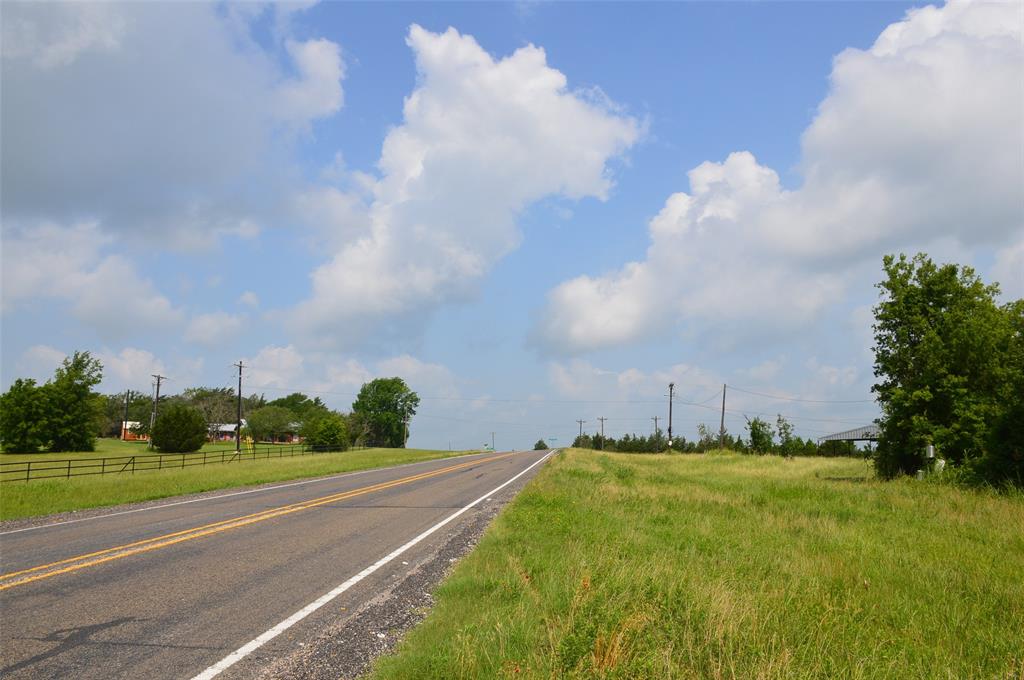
x=133, y=465
x=183, y=461
x=103, y=469
x=28, y=471
x=204, y=458
x=69, y=468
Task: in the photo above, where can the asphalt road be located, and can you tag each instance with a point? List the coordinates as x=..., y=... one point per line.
x=171, y=591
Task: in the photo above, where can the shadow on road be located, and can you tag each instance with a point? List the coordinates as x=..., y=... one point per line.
x=71, y=638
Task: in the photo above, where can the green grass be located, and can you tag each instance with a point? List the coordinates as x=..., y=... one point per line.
x=27, y=499
x=729, y=566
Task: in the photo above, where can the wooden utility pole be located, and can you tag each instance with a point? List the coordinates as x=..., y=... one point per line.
x=721, y=427
x=655, y=419
x=124, y=423
x=238, y=420
x=581, y=427
x=671, y=391
x=602, y=432
x=156, y=402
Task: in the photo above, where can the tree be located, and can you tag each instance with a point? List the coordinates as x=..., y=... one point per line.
x=74, y=411
x=705, y=439
x=386, y=406
x=761, y=435
x=253, y=402
x=788, y=445
x=328, y=432
x=301, y=406
x=541, y=445
x=217, y=404
x=270, y=423
x=947, y=358
x=23, y=423
x=179, y=429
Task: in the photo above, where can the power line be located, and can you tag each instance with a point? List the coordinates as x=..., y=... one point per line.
x=800, y=399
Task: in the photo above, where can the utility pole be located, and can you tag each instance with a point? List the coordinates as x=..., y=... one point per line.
x=721, y=427
x=156, y=401
x=492, y=441
x=238, y=422
x=671, y=392
x=602, y=432
x=124, y=423
x=581, y=427
x=655, y=419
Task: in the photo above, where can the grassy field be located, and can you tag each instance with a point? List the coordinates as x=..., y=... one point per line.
x=26, y=499
x=729, y=566
x=106, y=447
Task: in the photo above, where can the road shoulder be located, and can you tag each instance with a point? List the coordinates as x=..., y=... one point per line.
x=347, y=645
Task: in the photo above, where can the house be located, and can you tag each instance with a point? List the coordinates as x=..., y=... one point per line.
x=129, y=431
x=223, y=432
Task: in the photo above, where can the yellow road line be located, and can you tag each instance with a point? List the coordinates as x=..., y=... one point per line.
x=173, y=538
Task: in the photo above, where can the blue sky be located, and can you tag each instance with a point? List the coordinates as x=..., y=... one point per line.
x=533, y=212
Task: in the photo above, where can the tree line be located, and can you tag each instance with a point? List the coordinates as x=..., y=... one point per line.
x=67, y=414
x=762, y=438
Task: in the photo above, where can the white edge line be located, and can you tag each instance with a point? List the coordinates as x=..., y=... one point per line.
x=254, y=644
x=234, y=493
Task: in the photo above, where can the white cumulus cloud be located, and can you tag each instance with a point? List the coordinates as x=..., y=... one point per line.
x=104, y=291
x=919, y=141
x=481, y=139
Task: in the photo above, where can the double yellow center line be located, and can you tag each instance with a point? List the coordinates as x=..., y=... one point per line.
x=18, y=578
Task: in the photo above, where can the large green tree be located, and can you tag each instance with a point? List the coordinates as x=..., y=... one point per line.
x=23, y=427
x=948, y=360
x=385, y=407
x=74, y=411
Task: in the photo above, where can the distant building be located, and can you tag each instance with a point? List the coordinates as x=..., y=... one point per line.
x=129, y=431
x=223, y=432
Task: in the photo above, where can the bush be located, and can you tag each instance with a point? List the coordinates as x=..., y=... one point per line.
x=327, y=433
x=179, y=429
x=23, y=417
x=540, y=445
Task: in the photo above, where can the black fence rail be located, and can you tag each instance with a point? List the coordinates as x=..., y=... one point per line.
x=24, y=471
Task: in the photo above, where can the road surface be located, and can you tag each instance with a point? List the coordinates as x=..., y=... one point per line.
x=220, y=586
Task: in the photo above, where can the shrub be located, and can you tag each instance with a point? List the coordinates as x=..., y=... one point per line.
x=540, y=445
x=327, y=433
x=179, y=429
